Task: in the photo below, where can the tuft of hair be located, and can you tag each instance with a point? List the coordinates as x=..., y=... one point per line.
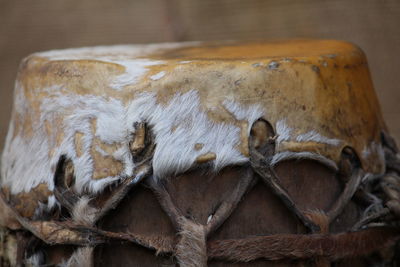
x=82, y=257
x=283, y=131
x=83, y=212
x=35, y=260
x=191, y=249
x=313, y=136
x=320, y=218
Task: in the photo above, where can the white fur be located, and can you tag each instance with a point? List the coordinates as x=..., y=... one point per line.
x=83, y=213
x=313, y=136
x=116, y=52
x=42, y=207
x=158, y=76
x=36, y=260
x=283, y=131
x=373, y=148
x=209, y=218
x=102, y=152
x=134, y=69
x=177, y=126
x=244, y=114
x=24, y=162
x=124, y=55
x=374, y=151
x=51, y=200
x=175, y=148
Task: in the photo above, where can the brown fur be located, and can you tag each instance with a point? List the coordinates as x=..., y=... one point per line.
x=320, y=219
x=158, y=233
x=197, y=194
x=191, y=249
x=276, y=247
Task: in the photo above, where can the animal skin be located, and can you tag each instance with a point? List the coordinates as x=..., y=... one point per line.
x=228, y=154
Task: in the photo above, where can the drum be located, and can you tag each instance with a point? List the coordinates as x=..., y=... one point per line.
x=196, y=154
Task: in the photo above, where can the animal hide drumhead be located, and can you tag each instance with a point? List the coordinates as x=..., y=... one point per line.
x=196, y=154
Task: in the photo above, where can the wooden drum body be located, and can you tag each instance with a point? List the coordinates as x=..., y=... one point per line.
x=192, y=154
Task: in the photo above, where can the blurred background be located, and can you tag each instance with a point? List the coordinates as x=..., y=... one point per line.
x=30, y=26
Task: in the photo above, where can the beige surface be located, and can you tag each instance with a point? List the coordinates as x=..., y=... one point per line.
x=29, y=26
